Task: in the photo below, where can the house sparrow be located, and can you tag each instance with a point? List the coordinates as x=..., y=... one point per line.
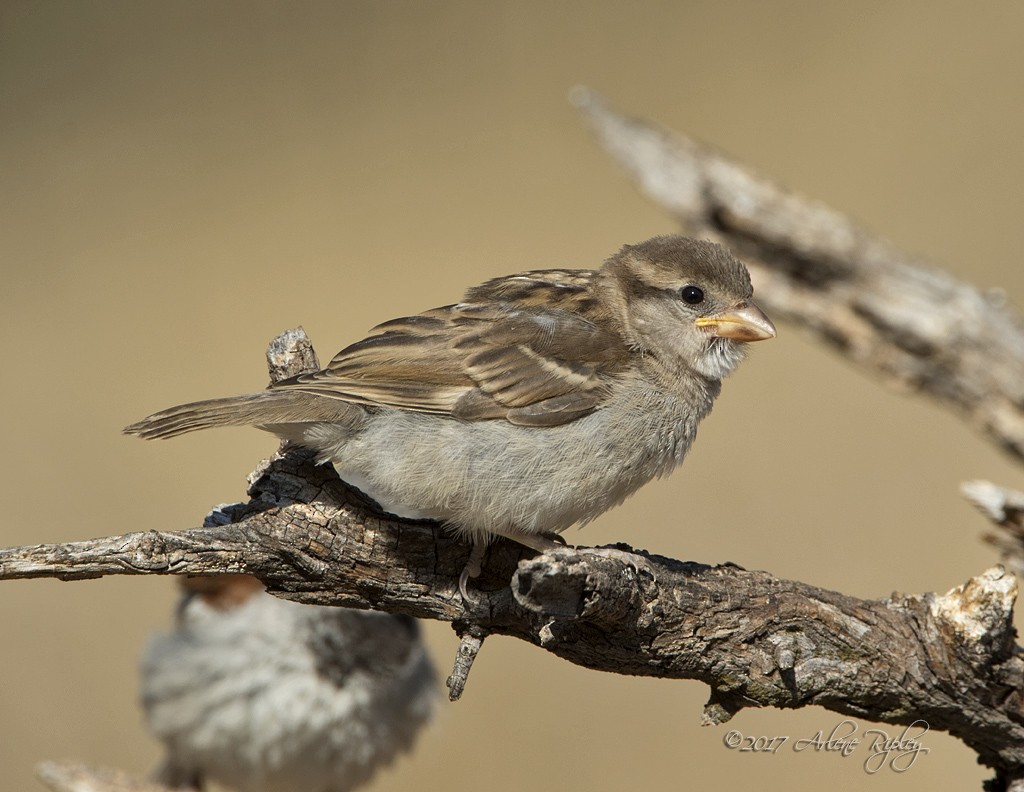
x=538, y=402
x=265, y=695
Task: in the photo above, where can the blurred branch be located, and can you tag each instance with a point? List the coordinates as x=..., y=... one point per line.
x=78, y=777
x=916, y=326
x=1005, y=508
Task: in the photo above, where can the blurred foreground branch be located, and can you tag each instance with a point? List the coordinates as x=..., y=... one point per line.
x=949, y=660
x=77, y=777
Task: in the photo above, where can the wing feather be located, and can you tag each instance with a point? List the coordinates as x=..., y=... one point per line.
x=528, y=348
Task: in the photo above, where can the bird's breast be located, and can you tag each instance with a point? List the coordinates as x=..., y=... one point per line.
x=489, y=477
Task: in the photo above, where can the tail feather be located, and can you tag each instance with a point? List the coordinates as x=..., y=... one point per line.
x=252, y=409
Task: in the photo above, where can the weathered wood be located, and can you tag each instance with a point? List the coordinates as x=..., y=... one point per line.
x=754, y=639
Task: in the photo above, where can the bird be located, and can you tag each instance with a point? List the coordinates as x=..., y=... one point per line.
x=260, y=694
x=539, y=401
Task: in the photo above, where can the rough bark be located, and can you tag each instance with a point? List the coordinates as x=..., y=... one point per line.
x=754, y=639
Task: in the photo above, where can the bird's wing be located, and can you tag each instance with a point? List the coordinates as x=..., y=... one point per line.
x=507, y=352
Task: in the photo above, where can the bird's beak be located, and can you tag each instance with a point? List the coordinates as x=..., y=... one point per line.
x=743, y=322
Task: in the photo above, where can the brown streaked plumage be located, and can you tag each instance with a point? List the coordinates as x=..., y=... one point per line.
x=539, y=401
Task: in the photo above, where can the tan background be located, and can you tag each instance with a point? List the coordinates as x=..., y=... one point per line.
x=180, y=181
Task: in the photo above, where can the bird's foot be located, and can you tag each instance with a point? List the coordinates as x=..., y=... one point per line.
x=472, y=570
x=542, y=543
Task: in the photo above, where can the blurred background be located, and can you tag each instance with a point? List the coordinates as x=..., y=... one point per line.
x=182, y=181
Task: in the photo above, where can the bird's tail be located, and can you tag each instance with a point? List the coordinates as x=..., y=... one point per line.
x=265, y=408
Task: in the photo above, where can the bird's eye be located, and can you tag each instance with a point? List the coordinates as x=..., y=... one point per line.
x=692, y=295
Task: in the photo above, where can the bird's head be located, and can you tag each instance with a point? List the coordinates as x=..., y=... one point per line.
x=685, y=302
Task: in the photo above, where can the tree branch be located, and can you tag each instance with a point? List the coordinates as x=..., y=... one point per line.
x=756, y=640
x=916, y=326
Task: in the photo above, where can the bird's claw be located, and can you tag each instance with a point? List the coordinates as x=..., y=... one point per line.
x=474, y=565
